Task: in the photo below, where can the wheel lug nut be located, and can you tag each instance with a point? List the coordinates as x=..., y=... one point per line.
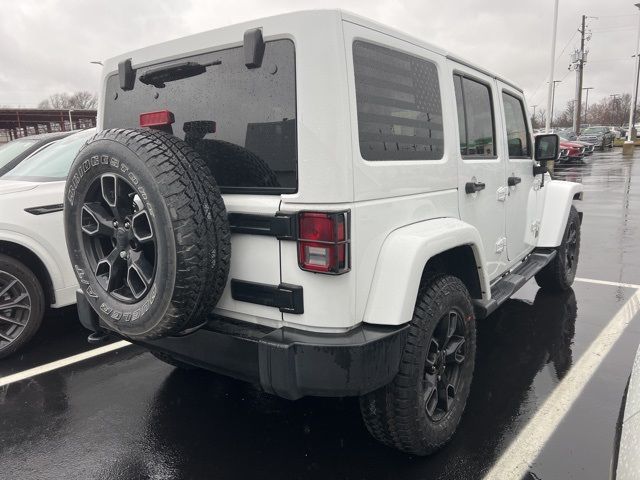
x=127, y=224
x=115, y=224
x=123, y=254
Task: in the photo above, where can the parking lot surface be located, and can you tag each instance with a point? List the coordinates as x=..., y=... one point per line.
x=125, y=415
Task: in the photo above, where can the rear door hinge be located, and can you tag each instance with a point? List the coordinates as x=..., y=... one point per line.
x=500, y=244
x=502, y=193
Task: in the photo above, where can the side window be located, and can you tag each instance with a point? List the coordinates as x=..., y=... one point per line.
x=517, y=135
x=399, y=105
x=476, y=126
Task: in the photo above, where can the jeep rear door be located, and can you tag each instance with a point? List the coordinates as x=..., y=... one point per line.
x=242, y=122
x=482, y=187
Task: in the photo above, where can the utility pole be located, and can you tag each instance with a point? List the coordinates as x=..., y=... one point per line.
x=586, y=103
x=553, y=102
x=553, y=62
x=578, y=60
x=628, y=147
x=636, y=90
x=534, y=112
x=614, y=101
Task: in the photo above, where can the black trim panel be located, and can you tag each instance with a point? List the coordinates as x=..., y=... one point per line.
x=283, y=226
x=288, y=298
x=44, y=209
x=288, y=362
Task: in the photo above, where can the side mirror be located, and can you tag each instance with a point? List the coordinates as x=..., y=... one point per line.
x=547, y=147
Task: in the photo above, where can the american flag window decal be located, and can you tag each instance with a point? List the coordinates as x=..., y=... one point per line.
x=399, y=105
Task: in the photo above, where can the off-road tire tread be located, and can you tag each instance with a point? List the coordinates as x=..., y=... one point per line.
x=388, y=412
x=199, y=222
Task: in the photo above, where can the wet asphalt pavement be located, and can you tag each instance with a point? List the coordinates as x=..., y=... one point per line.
x=125, y=415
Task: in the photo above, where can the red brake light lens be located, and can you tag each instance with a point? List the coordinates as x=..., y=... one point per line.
x=316, y=226
x=323, y=242
x=160, y=118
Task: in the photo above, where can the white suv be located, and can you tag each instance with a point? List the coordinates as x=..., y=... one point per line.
x=35, y=272
x=320, y=204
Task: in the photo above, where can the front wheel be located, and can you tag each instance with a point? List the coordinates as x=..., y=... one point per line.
x=559, y=274
x=22, y=305
x=419, y=411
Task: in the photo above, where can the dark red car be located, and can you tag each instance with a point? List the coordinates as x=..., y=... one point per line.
x=571, y=150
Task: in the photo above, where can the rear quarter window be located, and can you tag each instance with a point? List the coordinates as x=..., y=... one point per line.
x=398, y=103
x=254, y=146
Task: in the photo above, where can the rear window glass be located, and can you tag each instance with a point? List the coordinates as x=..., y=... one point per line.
x=399, y=105
x=253, y=148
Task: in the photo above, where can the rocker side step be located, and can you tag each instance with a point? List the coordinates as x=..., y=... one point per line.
x=510, y=283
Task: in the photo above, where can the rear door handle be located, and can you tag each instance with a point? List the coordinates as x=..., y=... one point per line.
x=473, y=187
x=513, y=181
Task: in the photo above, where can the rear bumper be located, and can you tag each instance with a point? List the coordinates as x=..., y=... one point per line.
x=287, y=362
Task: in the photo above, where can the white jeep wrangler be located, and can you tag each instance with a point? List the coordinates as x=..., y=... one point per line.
x=320, y=204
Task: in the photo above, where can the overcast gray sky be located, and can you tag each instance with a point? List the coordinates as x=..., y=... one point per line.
x=46, y=45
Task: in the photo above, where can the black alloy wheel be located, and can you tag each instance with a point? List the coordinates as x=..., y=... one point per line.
x=559, y=274
x=443, y=362
x=571, y=246
x=119, y=238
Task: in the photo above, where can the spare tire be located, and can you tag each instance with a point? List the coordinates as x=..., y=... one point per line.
x=147, y=232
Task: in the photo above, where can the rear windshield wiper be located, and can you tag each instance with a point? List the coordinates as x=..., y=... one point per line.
x=158, y=76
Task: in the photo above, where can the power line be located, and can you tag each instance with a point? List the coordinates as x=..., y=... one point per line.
x=613, y=29
x=557, y=59
x=614, y=16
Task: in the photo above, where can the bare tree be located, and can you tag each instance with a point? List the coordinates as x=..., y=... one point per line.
x=538, y=120
x=608, y=111
x=564, y=118
x=82, y=100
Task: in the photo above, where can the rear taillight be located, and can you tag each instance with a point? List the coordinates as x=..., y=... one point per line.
x=162, y=118
x=323, y=242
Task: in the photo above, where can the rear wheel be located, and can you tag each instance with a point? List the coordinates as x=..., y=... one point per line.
x=559, y=274
x=420, y=409
x=22, y=305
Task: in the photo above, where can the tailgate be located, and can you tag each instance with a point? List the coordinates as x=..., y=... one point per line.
x=254, y=258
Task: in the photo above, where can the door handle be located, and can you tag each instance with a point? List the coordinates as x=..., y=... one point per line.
x=513, y=181
x=473, y=187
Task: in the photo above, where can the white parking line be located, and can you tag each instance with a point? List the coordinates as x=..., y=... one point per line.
x=47, y=367
x=606, y=282
x=518, y=458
